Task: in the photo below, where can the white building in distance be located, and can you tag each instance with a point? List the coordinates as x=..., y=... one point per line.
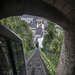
x=37, y=26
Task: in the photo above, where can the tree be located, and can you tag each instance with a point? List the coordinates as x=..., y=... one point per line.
x=52, y=44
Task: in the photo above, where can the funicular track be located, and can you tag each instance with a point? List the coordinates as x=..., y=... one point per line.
x=35, y=65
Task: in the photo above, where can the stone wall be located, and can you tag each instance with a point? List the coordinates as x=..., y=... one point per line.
x=66, y=64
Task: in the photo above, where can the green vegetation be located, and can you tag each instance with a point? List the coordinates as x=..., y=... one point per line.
x=21, y=28
x=50, y=66
x=51, y=46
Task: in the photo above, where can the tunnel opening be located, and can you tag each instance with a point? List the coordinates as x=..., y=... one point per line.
x=50, y=32
x=60, y=12
x=42, y=31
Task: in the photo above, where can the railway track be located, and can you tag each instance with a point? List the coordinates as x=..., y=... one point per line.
x=35, y=65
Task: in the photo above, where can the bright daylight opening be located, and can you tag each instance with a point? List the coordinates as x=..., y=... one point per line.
x=42, y=41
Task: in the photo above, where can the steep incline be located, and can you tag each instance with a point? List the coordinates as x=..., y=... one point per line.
x=35, y=65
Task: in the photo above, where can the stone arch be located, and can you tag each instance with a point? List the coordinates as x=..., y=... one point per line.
x=61, y=12
x=36, y=7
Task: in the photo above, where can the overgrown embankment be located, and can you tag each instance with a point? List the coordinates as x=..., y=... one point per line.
x=52, y=46
x=21, y=28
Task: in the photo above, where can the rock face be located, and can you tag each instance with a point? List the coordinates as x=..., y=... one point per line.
x=35, y=65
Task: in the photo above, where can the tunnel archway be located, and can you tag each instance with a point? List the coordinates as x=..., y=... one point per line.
x=60, y=12
x=38, y=8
